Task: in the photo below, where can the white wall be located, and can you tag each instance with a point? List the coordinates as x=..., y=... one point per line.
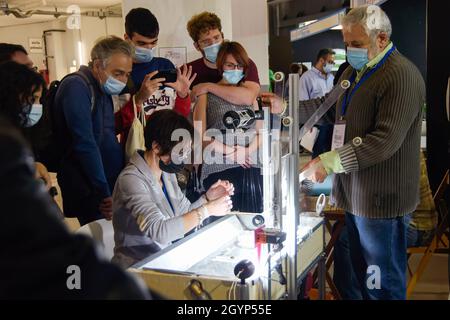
x=93, y=28
x=243, y=21
x=20, y=33
x=63, y=47
x=250, y=27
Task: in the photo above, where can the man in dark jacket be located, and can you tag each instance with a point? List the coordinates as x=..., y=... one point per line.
x=84, y=114
x=40, y=258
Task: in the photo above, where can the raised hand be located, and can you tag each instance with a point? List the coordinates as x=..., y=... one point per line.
x=184, y=81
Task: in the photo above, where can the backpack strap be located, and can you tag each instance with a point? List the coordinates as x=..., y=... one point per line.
x=90, y=85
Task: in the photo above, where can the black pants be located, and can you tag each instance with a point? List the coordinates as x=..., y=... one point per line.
x=248, y=188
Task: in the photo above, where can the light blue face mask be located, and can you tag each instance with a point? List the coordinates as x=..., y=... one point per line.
x=212, y=51
x=143, y=55
x=112, y=86
x=34, y=116
x=328, y=68
x=357, y=57
x=233, y=76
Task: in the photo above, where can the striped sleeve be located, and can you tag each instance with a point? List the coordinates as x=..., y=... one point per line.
x=396, y=112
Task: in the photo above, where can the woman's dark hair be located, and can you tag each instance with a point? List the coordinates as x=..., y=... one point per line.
x=18, y=85
x=7, y=50
x=160, y=126
x=237, y=51
x=141, y=21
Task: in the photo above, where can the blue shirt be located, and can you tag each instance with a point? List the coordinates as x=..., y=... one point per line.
x=314, y=84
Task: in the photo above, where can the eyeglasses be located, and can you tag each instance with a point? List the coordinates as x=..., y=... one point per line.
x=233, y=66
x=209, y=42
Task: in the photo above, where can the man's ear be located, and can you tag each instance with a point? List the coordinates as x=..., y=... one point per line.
x=382, y=40
x=96, y=64
x=126, y=37
x=196, y=46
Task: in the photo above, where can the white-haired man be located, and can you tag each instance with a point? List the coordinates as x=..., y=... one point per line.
x=375, y=157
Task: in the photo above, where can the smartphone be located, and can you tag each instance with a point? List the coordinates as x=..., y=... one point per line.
x=170, y=75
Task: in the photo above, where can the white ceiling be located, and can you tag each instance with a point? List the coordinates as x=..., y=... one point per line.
x=34, y=4
x=49, y=5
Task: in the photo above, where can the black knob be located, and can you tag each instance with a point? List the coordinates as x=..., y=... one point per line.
x=244, y=270
x=258, y=220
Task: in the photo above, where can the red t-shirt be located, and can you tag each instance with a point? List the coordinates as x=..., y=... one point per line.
x=206, y=74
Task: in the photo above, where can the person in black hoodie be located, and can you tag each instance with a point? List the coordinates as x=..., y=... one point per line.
x=38, y=252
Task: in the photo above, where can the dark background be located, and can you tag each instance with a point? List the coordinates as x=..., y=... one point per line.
x=420, y=32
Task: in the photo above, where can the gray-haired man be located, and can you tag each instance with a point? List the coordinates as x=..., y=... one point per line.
x=376, y=152
x=84, y=114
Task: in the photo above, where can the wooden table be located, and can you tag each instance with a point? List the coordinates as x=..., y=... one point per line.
x=330, y=214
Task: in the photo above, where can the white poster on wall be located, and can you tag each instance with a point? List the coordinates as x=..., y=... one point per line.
x=36, y=45
x=177, y=55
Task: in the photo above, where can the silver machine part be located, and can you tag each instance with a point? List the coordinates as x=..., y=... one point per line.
x=292, y=215
x=210, y=255
x=331, y=99
x=239, y=119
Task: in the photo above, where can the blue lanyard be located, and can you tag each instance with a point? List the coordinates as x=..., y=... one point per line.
x=347, y=97
x=166, y=194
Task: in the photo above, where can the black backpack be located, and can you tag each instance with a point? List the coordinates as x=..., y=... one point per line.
x=55, y=151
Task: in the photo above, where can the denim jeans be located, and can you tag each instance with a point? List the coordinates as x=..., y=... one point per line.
x=344, y=277
x=377, y=256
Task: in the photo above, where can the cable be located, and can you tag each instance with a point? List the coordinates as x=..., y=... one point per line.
x=234, y=289
x=234, y=292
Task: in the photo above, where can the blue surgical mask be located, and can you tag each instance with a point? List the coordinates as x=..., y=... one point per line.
x=112, y=86
x=34, y=116
x=357, y=57
x=233, y=76
x=211, y=52
x=143, y=55
x=328, y=68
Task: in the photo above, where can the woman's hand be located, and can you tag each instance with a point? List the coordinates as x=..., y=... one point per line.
x=42, y=173
x=184, y=81
x=220, y=189
x=220, y=206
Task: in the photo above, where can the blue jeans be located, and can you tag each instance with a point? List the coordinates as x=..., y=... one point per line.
x=376, y=256
x=344, y=277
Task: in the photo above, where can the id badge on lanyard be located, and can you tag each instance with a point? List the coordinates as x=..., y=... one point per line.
x=338, y=134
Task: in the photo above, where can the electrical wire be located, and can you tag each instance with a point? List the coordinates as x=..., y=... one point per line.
x=233, y=289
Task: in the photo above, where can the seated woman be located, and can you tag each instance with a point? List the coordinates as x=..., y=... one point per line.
x=20, y=95
x=230, y=155
x=150, y=211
